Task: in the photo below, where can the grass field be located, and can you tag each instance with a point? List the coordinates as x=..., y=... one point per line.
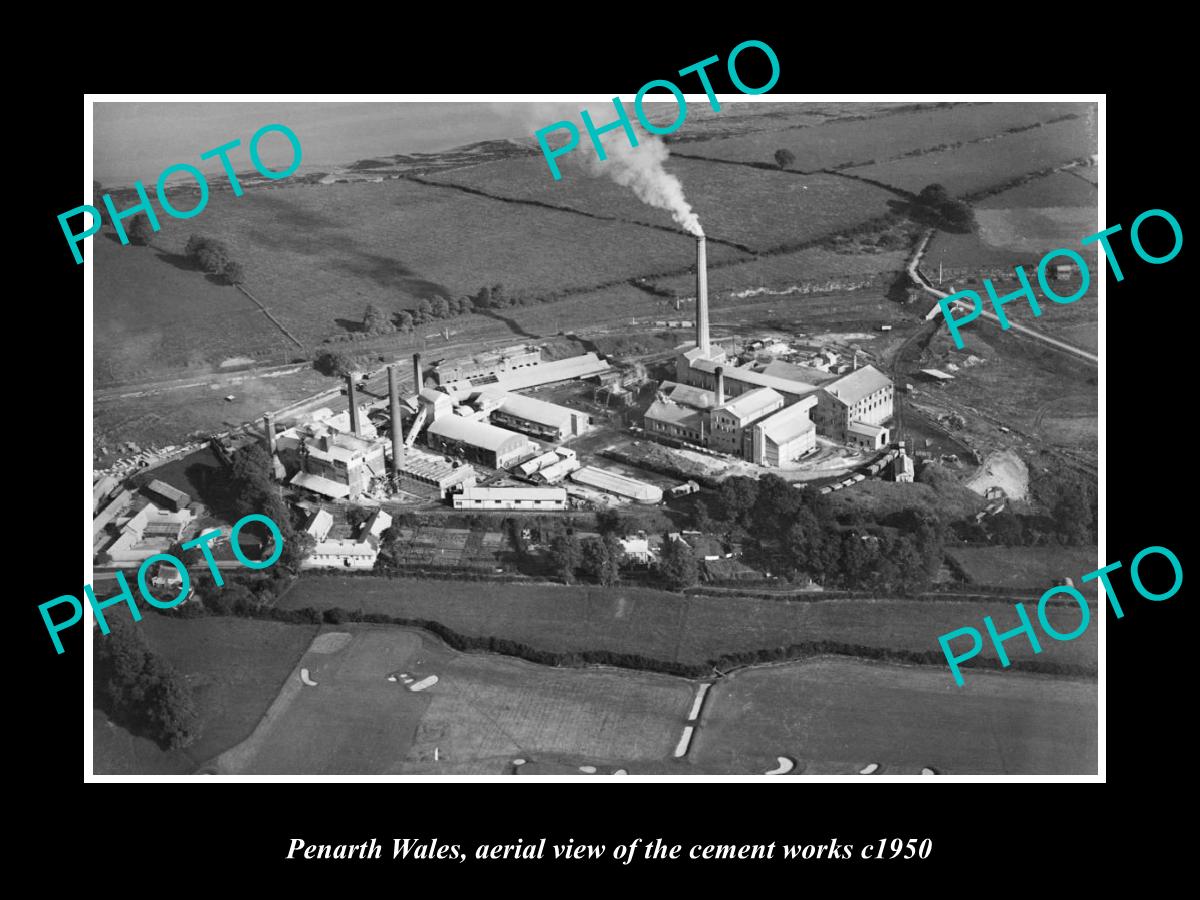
x=874, y=140
x=317, y=255
x=151, y=313
x=483, y=712
x=1055, y=189
x=486, y=711
x=662, y=625
x=1025, y=567
x=837, y=716
x=755, y=208
x=234, y=667
x=987, y=164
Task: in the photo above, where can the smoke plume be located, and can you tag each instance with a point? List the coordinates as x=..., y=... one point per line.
x=641, y=169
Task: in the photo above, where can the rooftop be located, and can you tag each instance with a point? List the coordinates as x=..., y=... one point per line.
x=788, y=424
x=752, y=404
x=477, y=434
x=854, y=386
x=747, y=375
x=664, y=411
x=473, y=492
x=695, y=397
x=533, y=410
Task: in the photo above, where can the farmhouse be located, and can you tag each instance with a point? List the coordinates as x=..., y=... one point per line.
x=149, y=531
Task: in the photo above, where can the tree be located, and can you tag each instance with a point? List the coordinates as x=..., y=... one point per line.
x=139, y=231
x=1007, y=529
x=610, y=522
x=356, y=516
x=335, y=362
x=141, y=690
x=211, y=255
x=465, y=307
x=738, y=496
x=375, y=321
x=424, y=311
x=406, y=321
x=677, y=565
x=935, y=204
x=455, y=306
x=565, y=555
x=600, y=559
x=784, y=158
x=441, y=308
x=233, y=273
x=515, y=532
x=933, y=195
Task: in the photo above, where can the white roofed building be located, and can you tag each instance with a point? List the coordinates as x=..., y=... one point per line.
x=862, y=397
x=784, y=437
x=534, y=499
x=477, y=441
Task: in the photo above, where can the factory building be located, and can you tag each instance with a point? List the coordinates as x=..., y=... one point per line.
x=501, y=498
x=784, y=437
x=679, y=423
x=486, y=367
x=331, y=463
x=862, y=398
x=477, y=441
x=620, y=485
x=149, y=531
x=729, y=420
x=167, y=496
x=537, y=418
x=519, y=378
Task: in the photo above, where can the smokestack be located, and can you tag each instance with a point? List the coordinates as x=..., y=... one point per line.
x=269, y=426
x=418, y=381
x=720, y=385
x=352, y=396
x=397, y=437
x=702, y=295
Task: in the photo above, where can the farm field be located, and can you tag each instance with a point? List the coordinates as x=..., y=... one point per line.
x=837, y=716
x=862, y=142
x=978, y=167
x=483, y=712
x=235, y=668
x=316, y=255
x=1024, y=567
x=1054, y=190
x=153, y=312
x=755, y=208
x=662, y=625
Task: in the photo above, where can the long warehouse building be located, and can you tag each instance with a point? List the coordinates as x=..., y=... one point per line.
x=477, y=441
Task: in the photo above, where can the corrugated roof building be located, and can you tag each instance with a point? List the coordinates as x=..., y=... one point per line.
x=477, y=441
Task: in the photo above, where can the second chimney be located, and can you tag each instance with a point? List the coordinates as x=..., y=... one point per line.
x=418, y=381
x=269, y=428
x=702, y=295
x=397, y=437
x=720, y=385
x=352, y=396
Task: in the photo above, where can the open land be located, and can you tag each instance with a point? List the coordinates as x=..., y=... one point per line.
x=234, y=667
x=666, y=626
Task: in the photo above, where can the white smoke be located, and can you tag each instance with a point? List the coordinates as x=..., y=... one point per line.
x=641, y=169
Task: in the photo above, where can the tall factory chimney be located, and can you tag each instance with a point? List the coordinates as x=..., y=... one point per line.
x=720, y=385
x=397, y=436
x=702, y=295
x=269, y=427
x=418, y=381
x=352, y=396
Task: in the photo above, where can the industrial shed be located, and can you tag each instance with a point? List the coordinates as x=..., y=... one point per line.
x=477, y=441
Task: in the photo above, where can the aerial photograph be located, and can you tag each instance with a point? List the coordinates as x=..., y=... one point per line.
x=668, y=466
